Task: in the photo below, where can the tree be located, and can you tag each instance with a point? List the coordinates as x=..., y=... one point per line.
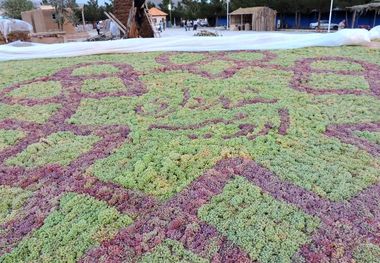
x=151, y=4
x=92, y=11
x=291, y=6
x=95, y=12
x=13, y=8
x=191, y=9
x=164, y=5
x=108, y=7
x=212, y=10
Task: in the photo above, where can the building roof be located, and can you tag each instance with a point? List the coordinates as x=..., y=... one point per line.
x=250, y=10
x=156, y=12
x=366, y=7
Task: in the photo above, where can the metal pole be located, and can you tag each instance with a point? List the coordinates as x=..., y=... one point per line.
x=331, y=9
x=170, y=12
x=228, y=7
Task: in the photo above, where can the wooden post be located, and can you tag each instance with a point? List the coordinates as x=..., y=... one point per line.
x=84, y=22
x=119, y=25
x=252, y=23
x=353, y=19
x=33, y=23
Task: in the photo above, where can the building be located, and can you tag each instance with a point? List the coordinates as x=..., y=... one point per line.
x=43, y=20
x=158, y=16
x=253, y=18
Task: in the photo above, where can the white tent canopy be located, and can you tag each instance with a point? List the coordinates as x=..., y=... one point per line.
x=12, y=25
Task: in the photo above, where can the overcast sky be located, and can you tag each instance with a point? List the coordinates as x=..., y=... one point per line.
x=101, y=2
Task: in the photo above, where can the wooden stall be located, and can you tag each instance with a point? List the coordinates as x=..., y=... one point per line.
x=360, y=9
x=253, y=18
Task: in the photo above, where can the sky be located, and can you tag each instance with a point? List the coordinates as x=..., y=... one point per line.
x=101, y=2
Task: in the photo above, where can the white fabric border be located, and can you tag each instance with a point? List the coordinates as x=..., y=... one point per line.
x=255, y=41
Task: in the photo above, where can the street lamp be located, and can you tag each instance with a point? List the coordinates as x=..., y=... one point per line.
x=331, y=9
x=170, y=11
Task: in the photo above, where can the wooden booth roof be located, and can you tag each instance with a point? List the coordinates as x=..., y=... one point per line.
x=251, y=10
x=366, y=7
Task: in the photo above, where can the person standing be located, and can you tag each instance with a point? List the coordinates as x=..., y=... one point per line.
x=342, y=24
x=98, y=27
x=160, y=26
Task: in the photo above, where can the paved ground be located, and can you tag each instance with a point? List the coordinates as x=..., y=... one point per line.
x=176, y=32
x=374, y=44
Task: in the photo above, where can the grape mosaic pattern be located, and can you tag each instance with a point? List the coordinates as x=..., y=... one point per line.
x=202, y=157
